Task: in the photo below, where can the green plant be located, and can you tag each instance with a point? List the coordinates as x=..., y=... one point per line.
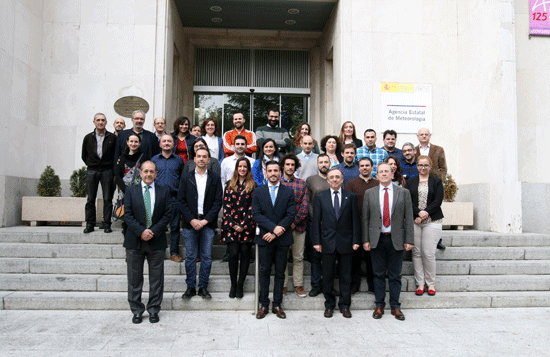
x=78, y=182
x=49, y=184
x=450, y=189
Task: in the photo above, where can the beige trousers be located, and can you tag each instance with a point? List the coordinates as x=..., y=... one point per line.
x=426, y=236
x=297, y=260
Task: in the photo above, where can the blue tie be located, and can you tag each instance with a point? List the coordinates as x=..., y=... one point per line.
x=273, y=197
x=336, y=204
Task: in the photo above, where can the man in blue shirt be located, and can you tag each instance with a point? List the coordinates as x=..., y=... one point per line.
x=408, y=163
x=169, y=167
x=349, y=168
x=390, y=137
x=377, y=155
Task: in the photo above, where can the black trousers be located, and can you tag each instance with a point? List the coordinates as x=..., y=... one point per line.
x=386, y=259
x=329, y=269
x=358, y=256
x=272, y=253
x=93, y=179
x=134, y=260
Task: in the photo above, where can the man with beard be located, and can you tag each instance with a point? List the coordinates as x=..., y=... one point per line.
x=273, y=131
x=408, y=163
x=229, y=136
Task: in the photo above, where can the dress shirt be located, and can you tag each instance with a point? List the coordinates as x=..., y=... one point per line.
x=349, y=172
x=99, y=139
x=201, y=190
x=390, y=197
x=151, y=193
x=169, y=171
x=424, y=150
x=213, y=145
x=377, y=155
x=306, y=156
x=276, y=188
x=339, y=196
x=409, y=170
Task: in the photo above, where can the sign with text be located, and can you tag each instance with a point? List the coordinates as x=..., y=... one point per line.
x=406, y=107
x=539, y=17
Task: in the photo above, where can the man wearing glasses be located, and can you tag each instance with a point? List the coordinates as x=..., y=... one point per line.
x=408, y=162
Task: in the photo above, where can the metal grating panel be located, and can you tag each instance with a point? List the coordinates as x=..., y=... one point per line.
x=283, y=69
x=222, y=67
x=233, y=68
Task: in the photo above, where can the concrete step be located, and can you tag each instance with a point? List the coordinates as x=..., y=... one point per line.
x=219, y=283
x=35, y=300
x=489, y=239
x=118, y=267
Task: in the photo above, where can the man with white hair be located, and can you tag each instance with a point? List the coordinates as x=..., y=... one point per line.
x=149, y=142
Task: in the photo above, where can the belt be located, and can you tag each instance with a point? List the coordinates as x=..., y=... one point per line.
x=200, y=216
x=385, y=234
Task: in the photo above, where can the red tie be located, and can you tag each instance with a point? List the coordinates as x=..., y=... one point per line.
x=386, y=208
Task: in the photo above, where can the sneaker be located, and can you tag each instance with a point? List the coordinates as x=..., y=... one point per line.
x=299, y=290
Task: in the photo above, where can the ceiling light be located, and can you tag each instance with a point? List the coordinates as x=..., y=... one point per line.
x=293, y=11
x=290, y=22
x=216, y=19
x=216, y=8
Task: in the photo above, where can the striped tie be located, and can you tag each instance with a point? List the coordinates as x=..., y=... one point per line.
x=147, y=199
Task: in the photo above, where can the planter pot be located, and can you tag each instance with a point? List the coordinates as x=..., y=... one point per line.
x=458, y=214
x=57, y=209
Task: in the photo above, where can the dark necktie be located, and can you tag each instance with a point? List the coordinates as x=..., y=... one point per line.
x=386, y=208
x=336, y=205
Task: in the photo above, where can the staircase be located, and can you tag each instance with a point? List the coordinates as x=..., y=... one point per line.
x=60, y=268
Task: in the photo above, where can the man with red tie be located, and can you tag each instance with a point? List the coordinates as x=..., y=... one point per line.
x=388, y=229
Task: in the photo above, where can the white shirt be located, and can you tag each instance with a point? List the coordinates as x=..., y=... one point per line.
x=424, y=150
x=201, y=190
x=228, y=167
x=390, y=197
x=339, y=196
x=151, y=193
x=213, y=145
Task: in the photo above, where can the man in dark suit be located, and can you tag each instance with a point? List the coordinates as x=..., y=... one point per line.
x=149, y=142
x=199, y=200
x=388, y=228
x=336, y=234
x=146, y=212
x=274, y=210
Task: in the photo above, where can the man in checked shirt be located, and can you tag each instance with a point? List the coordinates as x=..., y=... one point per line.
x=289, y=164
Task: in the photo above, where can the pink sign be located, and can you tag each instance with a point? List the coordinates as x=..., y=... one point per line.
x=539, y=17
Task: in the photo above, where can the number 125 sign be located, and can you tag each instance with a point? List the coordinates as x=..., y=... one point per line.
x=539, y=17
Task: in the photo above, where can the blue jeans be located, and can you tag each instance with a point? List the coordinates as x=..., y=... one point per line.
x=193, y=239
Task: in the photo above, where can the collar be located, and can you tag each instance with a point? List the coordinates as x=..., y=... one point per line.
x=350, y=166
x=276, y=185
x=97, y=134
x=151, y=186
x=339, y=192
x=285, y=180
x=389, y=187
x=273, y=127
x=205, y=173
x=424, y=147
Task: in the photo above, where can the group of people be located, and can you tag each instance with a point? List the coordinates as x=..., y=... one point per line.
x=347, y=203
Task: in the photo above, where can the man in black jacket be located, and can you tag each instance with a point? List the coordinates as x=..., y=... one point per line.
x=149, y=141
x=98, y=151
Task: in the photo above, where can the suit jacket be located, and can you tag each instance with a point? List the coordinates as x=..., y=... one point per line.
x=402, y=222
x=435, y=196
x=336, y=234
x=188, y=198
x=439, y=164
x=149, y=143
x=268, y=216
x=134, y=216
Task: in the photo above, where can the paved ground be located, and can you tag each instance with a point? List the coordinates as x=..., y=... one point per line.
x=450, y=332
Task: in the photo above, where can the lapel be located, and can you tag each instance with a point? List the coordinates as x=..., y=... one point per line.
x=345, y=201
x=330, y=203
x=396, y=193
x=140, y=202
x=158, y=198
x=208, y=183
x=377, y=201
x=192, y=180
x=278, y=198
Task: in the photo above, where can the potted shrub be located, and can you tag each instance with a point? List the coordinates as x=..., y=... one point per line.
x=457, y=214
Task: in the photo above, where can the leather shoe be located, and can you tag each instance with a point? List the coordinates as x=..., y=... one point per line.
x=154, y=317
x=204, y=293
x=440, y=245
x=89, y=229
x=314, y=291
x=431, y=291
x=346, y=313
x=189, y=293
x=398, y=314
x=136, y=319
x=107, y=229
x=176, y=258
x=328, y=313
x=419, y=292
x=354, y=290
x=262, y=312
x=285, y=290
x=278, y=311
x=378, y=312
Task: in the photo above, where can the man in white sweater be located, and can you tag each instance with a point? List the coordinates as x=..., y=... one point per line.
x=308, y=159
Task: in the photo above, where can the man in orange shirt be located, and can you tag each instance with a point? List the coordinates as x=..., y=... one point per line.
x=229, y=136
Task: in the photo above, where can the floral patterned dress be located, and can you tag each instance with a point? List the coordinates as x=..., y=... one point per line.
x=237, y=210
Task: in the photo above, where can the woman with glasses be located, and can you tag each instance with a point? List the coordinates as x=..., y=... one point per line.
x=427, y=196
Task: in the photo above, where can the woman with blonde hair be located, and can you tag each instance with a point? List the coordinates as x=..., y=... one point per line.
x=238, y=226
x=348, y=135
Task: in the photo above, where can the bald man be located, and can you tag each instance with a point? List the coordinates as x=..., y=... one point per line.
x=434, y=152
x=119, y=125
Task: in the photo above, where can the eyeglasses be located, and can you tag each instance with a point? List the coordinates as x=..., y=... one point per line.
x=423, y=166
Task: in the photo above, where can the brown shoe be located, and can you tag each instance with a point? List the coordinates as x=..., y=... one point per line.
x=278, y=311
x=378, y=312
x=285, y=290
x=176, y=258
x=346, y=313
x=299, y=290
x=398, y=314
x=328, y=313
x=262, y=312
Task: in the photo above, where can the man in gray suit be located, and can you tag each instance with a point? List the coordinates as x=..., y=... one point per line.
x=388, y=228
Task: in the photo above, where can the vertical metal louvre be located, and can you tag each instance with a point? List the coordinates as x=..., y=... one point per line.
x=251, y=68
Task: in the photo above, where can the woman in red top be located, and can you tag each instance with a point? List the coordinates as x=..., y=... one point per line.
x=182, y=138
